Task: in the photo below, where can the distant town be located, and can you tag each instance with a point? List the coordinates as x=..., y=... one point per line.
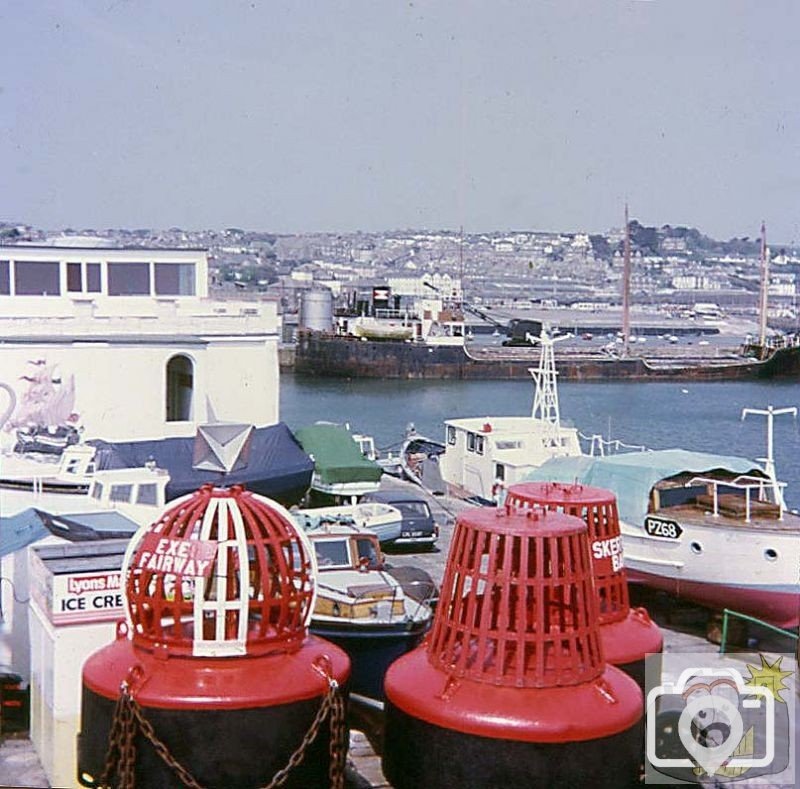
x=675, y=268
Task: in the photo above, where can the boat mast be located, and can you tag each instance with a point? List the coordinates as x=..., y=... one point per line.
x=769, y=460
x=545, y=398
x=626, y=286
x=762, y=334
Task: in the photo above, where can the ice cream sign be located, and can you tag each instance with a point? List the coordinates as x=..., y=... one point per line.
x=171, y=556
x=83, y=597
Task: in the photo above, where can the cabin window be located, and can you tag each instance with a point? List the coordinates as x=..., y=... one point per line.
x=470, y=442
x=97, y=490
x=5, y=278
x=499, y=472
x=74, y=278
x=129, y=279
x=121, y=492
x=175, y=279
x=331, y=554
x=451, y=435
x=479, y=444
x=35, y=278
x=147, y=494
x=180, y=387
x=93, y=278
x=508, y=444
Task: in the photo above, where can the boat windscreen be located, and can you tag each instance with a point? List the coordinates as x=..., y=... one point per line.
x=331, y=553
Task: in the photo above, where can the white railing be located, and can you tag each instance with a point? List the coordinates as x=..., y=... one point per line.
x=746, y=483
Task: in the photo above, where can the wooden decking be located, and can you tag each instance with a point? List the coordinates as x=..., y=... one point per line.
x=763, y=517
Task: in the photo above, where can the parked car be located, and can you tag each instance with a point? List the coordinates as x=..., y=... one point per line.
x=417, y=526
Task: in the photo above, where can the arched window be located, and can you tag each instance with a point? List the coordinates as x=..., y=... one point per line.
x=180, y=385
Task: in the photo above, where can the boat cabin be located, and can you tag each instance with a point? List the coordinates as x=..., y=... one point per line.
x=484, y=456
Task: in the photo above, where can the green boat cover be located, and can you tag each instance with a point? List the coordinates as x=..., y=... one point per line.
x=631, y=475
x=336, y=456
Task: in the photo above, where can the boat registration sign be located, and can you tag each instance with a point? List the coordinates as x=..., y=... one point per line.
x=662, y=527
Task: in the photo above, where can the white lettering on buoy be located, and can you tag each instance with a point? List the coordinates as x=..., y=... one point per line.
x=609, y=550
x=178, y=557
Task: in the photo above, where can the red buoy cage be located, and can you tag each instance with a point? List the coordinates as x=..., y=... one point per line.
x=598, y=509
x=220, y=566
x=517, y=605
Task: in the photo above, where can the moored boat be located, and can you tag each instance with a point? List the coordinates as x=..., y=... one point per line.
x=707, y=528
x=383, y=520
x=361, y=607
x=419, y=458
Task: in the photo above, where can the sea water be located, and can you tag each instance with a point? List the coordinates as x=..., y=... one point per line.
x=705, y=417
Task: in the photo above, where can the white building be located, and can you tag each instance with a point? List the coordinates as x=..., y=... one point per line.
x=126, y=344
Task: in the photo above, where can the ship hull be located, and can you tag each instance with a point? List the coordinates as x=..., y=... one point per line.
x=326, y=355
x=774, y=605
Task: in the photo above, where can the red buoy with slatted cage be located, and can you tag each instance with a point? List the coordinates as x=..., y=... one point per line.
x=628, y=634
x=214, y=678
x=511, y=688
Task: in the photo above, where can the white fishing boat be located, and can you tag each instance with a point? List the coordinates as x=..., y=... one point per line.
x=483, y=455
x=709, y=528
x=361, y=606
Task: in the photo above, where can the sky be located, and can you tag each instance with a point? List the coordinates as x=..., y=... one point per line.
x=343, y=115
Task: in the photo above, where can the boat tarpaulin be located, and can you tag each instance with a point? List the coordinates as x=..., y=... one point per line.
x=631, y=475
x=276, y=464
x=337, y=457
x=105, y=525
x=20, y=530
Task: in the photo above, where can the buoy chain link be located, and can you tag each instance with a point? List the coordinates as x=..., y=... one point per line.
x=128, y=716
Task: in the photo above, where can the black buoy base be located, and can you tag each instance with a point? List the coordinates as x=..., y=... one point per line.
x=241, y=748
x=640, y=669
x=419, y=754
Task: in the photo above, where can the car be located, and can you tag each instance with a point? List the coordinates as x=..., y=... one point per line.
x=417, y=526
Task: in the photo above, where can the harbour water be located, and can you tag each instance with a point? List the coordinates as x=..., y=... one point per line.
x=704, y=417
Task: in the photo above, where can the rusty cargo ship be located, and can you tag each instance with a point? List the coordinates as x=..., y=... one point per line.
x=328, y=355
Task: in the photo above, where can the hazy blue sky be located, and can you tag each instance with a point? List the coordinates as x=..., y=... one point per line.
x=376, y=114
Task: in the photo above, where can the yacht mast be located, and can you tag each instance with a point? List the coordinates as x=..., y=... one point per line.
x=626, y=287
x=762, y=306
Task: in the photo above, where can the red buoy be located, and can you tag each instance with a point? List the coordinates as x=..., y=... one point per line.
x=511, y=688
x=214, y=667
x=629, y=635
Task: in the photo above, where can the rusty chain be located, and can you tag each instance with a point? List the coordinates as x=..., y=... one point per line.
x=121, y=753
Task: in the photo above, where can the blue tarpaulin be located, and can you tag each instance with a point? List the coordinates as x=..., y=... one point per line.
x=276, y=464
x=20, y=530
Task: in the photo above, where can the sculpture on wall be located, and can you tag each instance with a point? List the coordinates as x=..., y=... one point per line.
x=43, y=415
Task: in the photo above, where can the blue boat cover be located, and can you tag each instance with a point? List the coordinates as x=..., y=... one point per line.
x=80, y=526
x=631, y=475
x=20, y=530
x=276, y=464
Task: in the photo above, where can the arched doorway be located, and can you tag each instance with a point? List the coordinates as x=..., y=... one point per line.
x=180, y=387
